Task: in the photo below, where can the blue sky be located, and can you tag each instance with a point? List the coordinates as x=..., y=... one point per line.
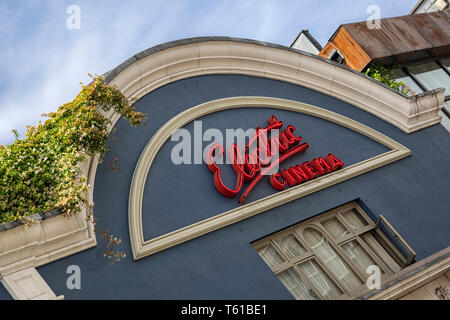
x=43, y=61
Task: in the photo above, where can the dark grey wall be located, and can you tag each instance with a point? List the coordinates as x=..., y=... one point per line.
x=190, y=188
x=4, y=295
x=412, y=193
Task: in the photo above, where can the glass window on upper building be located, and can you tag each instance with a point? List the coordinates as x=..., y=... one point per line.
x=429, y=6
x=432, y=76
x=410, y=85
x=424, y=76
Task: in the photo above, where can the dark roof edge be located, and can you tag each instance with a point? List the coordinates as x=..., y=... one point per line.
x=334, y=33
x=296, y=38
x=417, y=5
x=313, y=40
x=114, y=72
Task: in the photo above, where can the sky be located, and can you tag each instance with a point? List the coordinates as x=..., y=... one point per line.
x=44, y=61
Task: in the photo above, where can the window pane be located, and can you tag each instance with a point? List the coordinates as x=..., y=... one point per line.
x=412, y=87
x=296, y=285
x=335, y=228
x=358, y=255
x=331, y=259
x=270, y=256
x=432, y=76
x=320, y=281
x=290, y=246
x=355, y=220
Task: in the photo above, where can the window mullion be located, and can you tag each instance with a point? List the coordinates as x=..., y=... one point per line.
x=303, y=257
x=279, y=250
x=261, y=243
x=290, y=261
x=374, y=256
x=444, y=110
x=281, y=267
x=365, y=216
x=357, y=267
x=339, y=252
x=439, y=63
x=344, y=257
x=415, y=79
x=284, y=265
x=345, y=239
x=331, y=276
x=342, y=220
x=365, y=230
x=305, y=278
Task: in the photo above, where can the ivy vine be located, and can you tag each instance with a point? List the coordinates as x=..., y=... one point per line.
x=41, y=171
x=383, y=74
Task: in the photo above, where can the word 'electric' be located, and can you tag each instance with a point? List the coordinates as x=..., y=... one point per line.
x=261, y=156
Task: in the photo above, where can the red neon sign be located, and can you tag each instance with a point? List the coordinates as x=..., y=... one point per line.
x=258, y=160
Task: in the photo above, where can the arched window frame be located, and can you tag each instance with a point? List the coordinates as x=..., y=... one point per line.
x=316, y=223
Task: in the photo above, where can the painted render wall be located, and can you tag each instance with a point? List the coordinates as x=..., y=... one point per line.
x=4, y=295
x=412, y=193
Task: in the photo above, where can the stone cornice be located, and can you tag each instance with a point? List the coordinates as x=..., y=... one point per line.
x=176, y=60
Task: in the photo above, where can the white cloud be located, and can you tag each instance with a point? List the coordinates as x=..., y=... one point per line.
x=45, y=69
x=43, y=61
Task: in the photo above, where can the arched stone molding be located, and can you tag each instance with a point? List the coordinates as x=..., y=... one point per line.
x=142, y=247
x=182, y=59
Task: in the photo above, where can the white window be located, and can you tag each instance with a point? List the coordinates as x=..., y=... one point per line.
x=327, y=257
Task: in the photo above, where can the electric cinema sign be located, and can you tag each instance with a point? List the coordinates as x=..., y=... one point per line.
x=262, y=155
x=250, y=163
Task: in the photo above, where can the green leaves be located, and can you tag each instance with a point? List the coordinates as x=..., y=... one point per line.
x=383, y=74
x=40, y=172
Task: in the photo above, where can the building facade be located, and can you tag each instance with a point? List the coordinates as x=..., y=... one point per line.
x=306, y=42
x=360, y=187
x=429, y=6
x=416, y=47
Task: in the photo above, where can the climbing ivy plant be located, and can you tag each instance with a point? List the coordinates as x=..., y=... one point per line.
x=383, y=74
x=41, y=171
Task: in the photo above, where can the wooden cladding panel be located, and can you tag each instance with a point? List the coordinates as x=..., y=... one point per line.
x=354, y=55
